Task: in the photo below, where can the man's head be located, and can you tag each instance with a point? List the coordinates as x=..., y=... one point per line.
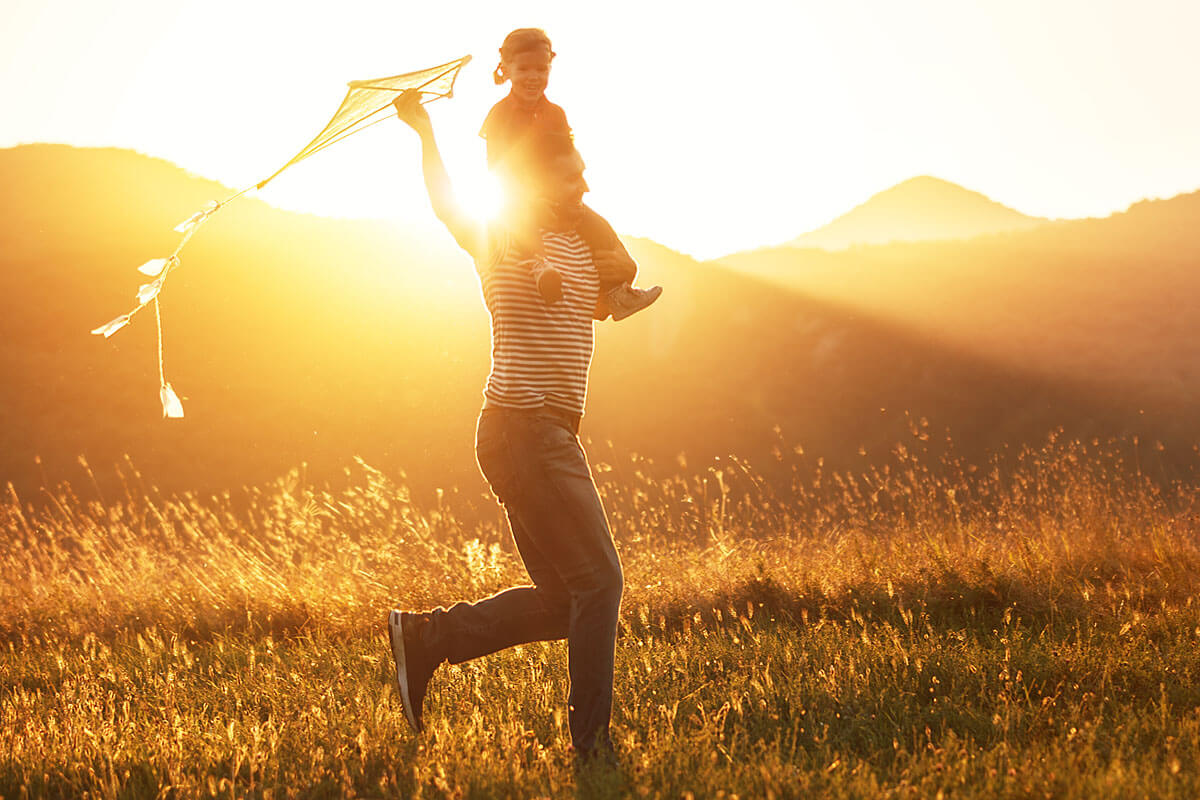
x=547, y=169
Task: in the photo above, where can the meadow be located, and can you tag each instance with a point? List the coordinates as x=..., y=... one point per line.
x=1022, y=627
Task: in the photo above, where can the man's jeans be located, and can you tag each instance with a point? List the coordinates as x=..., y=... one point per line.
x=534, y=464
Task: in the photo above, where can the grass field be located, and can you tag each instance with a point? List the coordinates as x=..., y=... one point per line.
x=1025, y=628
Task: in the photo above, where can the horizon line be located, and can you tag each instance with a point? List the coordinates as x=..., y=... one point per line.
x=689, y=252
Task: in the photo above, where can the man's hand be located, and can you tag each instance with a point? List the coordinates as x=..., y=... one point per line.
x=409, y=108
x=614, y=266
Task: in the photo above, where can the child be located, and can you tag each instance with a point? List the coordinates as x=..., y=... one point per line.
x=525, y=113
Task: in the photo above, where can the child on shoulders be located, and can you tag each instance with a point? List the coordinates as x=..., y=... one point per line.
x=524, y=114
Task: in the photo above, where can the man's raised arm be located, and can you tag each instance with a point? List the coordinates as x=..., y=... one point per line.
x=465, y=231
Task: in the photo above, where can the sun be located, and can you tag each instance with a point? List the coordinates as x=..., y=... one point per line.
x=480, y=194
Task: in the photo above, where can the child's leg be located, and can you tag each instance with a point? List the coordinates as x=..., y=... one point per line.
x=619, y=300
x=547, y=278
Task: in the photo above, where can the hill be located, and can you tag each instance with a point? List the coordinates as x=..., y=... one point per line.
x=1103, y=302
x=300, y=339
x=918, y=209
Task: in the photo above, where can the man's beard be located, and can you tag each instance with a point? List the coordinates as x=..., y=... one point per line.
x=567, y=214
x=549, y=215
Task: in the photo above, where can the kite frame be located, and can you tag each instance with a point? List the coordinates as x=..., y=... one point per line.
x=358, y=125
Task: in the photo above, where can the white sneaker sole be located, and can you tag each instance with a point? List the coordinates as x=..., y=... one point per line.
x=396, y=635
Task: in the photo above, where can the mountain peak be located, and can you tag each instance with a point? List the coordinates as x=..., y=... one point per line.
x=920, y=208
x=922, y=181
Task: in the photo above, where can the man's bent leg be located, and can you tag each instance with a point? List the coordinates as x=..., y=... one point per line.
x=422, y=641
x=514, y=616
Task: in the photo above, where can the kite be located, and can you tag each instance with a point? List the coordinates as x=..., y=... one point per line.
x=366, y=103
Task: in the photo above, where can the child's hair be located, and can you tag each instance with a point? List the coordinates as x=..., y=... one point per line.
x=519, y=41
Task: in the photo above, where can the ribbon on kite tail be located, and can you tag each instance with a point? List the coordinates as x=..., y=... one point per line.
x=366, y=103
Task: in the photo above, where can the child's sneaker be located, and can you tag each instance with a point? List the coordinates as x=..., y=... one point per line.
x=626, y=299
x=548, y=279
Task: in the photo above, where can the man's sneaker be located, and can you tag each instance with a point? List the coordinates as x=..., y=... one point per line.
x=625, y=299
x=598, y=770
x=414, y=666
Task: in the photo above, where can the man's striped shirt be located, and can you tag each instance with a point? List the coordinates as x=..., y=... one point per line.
x=541, y=351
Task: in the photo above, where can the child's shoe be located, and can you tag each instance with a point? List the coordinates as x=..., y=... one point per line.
x=626, y=299
x=548, y=279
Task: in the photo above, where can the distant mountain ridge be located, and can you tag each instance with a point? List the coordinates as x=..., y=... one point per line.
x=918, y=209
x=299, y=339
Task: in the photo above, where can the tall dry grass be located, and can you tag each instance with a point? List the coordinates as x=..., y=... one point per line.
x=1017, y=628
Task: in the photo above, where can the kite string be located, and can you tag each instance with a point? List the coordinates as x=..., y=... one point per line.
x=162, y=375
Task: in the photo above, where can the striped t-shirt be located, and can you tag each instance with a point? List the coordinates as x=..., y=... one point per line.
x=540, y=351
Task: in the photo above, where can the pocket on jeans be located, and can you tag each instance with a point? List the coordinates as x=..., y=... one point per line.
x=560, y=450
x=493, y=453
x=551, y=430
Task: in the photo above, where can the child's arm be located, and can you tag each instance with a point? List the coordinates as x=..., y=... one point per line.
x=465, y=231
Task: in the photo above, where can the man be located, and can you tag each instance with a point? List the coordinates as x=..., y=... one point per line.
x=527, y=444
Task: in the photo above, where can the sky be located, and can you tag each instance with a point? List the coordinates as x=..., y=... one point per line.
x=709, y=127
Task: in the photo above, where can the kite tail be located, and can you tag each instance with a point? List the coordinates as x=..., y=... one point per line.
x=160, y=269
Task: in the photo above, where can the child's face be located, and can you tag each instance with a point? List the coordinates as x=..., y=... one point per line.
x=529, y=73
